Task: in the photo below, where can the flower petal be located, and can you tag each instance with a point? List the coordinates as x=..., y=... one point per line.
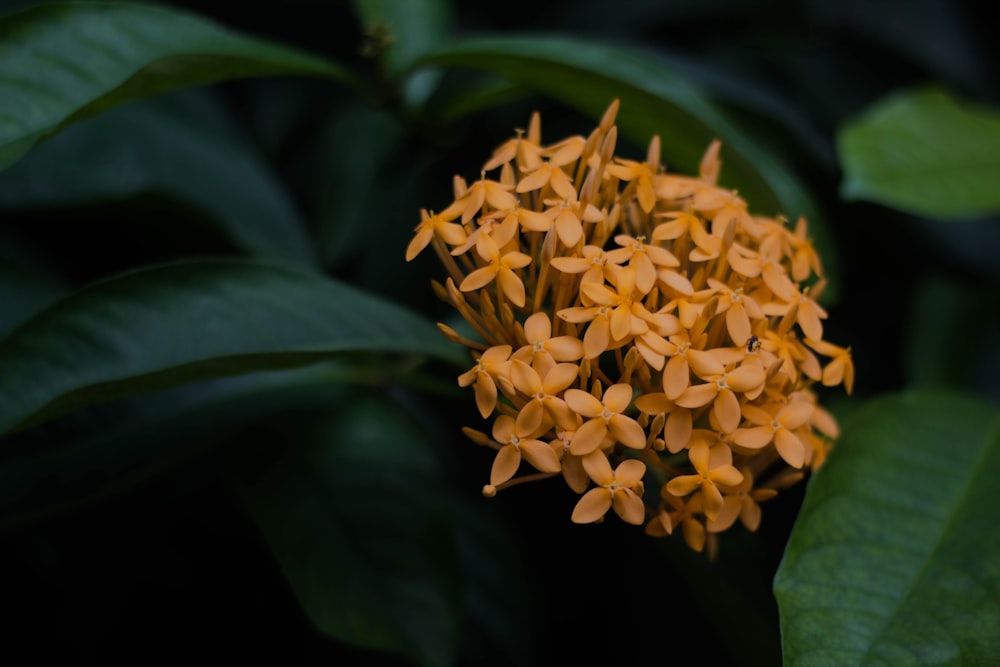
x=564, y=348
x=583, y=403
x=677, y=430
x=618, y=396
x=537, y=327
x=505, y=464
x=525, y=378
x=727, y=410
x=704, y=364
x=790, y=447
x=712, y=500
x=727, y=515
x=598, y=468
x=420, y=241
x=726, y=475
x=676, y=377
x=746, y=378
x=540, y=455
x=753, y=438
x=588, y=437
x=597, y=338
x=479, y=278
x=627, y=431
x=592, y=506
x=698, y=395
x=684, y=484
x=503, y=429
x=628, y=506
x=630, y=472
x=530, y=418
x=795, y=414
x=511, y=285
x=486, y=394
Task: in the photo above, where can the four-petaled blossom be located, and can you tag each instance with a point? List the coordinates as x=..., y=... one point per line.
x=616, y=488
x=741, y=501
x=500, y=268
x=605, y=418
x=492, y=364
x=544, y=350
x=714, y=467
x=436, y=223
x=778, y=424
x=840, y=370
x=542, y=393
x=515, y=445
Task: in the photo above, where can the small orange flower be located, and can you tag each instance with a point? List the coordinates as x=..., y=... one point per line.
x=515, y=445
x=439, y=224
x=615, y=489
x=492, y=364
x=714, y=466
x=604, y=419
x=776, y=423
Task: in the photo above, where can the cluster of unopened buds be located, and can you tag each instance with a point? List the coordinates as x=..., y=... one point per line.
x=639, y=333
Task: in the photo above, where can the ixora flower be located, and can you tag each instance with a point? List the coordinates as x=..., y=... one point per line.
x=636, y=329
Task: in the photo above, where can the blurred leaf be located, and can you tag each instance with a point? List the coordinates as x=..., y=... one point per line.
x=924, y=152
x=62, y=62
x=356, y=512
x=183, y=146
x=167, y=325
x=108, y=448
x=412, y=29
x=945, y=311
x=895, y=556
x=358, y=143
x=932, y=33
x=654, y=100
x=499, y=618
x=27, y=284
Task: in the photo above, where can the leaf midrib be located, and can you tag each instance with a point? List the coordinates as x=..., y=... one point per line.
x=946, y=529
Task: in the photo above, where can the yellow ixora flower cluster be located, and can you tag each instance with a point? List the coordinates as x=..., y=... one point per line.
x=636, y=327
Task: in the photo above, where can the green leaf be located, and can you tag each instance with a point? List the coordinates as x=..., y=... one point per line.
x=410, y=29
x=352, y=192
x=26, y=284
x=183, y=146
x=945, y=310
x=62, y=62
x=654, y=100
x=111, y=447
x=356, y=512
x=414, y=28
x=925, y=152
x=164, y=326
x=895, y=556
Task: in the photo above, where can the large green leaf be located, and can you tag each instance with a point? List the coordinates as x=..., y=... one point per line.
x=895, y=557
x=357, y=514
x=654, y=100
x=62, y=62
x=183, y=146
x=163, y=326
x=108, y=448
x=409, y=30
x=924, y=152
